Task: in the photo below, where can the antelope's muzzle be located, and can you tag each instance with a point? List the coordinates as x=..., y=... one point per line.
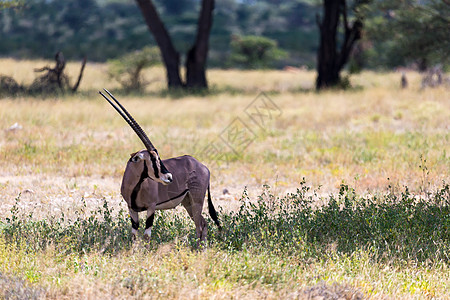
x=166, y=178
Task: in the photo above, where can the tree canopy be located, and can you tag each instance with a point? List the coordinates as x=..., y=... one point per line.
x=108, y=29
x=395, y=33
x=254, y=52
x=409, y=31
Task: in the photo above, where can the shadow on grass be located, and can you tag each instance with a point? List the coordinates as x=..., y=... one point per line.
x=180, y=93
x=171, y=94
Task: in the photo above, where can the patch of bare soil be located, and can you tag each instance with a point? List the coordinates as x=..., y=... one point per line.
x=45, y=195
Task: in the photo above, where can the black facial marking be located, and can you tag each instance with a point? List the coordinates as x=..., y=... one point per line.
x=163, y=168
x=136, y=189
x=155, y=167
x=134, y=225
x=149, y=222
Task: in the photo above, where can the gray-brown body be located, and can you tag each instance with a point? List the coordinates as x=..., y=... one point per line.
x=190, y=181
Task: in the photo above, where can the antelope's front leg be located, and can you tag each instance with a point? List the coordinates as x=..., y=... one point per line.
x=149, y=224
x=134, y=223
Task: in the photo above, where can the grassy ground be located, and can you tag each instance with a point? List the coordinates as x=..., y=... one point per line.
x=355, y=146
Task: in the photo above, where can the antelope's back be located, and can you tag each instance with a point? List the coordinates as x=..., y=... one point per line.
x=188, y=175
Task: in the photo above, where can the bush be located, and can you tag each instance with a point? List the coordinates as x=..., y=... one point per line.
x=8, y=86
x=97, y=230
x=127, y=70
x=394, y=226
x=254, y=52
x=399, y=227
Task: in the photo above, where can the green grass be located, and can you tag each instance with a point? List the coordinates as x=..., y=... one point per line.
x=398, y=226
x=267, y=243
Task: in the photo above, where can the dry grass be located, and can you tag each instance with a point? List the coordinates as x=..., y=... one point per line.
x=77, y=146
x=173, y=272
x=362, y=137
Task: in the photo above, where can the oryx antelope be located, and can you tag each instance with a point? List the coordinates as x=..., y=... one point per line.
x=147, y=184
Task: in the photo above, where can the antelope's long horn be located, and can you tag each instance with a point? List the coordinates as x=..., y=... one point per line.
x=136, y=125
x=130, y=120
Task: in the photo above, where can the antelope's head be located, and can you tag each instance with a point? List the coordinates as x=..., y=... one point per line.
x=148, y=164
x=146, y=160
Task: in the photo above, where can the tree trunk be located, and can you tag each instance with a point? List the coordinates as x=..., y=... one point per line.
x=330, y=59
x=197, y=55
x=169, y=54
x=328, y=74
x=423, y=65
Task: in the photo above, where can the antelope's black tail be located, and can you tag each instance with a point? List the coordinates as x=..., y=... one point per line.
x=212, y=210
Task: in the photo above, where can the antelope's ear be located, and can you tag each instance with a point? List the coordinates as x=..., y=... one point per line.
x=135, y=157
x=154, y=153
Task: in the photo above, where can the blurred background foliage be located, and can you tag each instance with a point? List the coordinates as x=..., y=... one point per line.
x=127, y=69
x=396, y=33
x=254, y=52
x=404, y=32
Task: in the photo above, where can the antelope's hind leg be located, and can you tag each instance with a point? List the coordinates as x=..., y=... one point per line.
x=201, y=228
x=195, y=212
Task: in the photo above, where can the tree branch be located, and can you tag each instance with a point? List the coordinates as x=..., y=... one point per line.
x=43, y=69
x=83, y=64
x=204, y=27
x=352, y=34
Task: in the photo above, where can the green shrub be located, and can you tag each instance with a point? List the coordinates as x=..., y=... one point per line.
x=97, y=230
x=254, y=52
x=396, y=226
x=390, y=226
x=127, y=70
